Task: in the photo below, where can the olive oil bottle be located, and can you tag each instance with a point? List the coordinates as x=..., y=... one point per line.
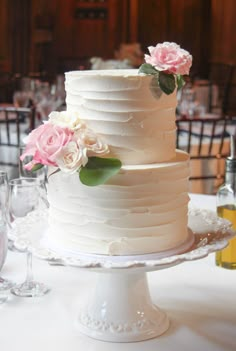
x=226, y=207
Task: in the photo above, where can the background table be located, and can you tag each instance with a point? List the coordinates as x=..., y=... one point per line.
x=198, y=297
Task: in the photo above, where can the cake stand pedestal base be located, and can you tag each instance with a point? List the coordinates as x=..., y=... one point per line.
x=120, y=309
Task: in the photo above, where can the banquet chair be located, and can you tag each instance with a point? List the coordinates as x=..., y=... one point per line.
x=15, y=124
x=207, y=142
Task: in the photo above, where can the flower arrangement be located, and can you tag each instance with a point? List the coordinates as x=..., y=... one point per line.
x=169, y=64
x=65, y=142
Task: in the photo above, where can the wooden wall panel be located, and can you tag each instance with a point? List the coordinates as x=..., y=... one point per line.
x=186, y=22
x=14, y=35
x=43, y=21
x=76, y=38
x=4, y=37
x=46, y=35
x=19, y=20
x=152, y=22
x=223, y=43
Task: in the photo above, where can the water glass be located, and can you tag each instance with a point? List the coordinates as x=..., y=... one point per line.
x=4, y=192
x=40, y=174
x=25, y=196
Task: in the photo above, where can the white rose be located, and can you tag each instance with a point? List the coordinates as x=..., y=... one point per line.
x=71, y=158
x=66, y=119
x=91, y=142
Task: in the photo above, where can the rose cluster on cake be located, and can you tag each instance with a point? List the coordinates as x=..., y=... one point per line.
x=65, y=142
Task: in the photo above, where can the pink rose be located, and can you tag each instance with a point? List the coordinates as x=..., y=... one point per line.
x=45, y=143
x=169, y=57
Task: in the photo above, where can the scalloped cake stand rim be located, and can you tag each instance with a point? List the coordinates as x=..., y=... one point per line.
x=197, y=246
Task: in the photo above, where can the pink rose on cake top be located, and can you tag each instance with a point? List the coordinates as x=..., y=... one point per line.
x=168, y=63
x=169, y=57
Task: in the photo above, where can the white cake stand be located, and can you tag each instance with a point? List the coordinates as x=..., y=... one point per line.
x=120, y=309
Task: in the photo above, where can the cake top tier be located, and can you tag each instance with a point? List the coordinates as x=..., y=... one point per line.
x=131, y=115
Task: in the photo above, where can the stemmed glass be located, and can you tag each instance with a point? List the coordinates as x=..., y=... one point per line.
x=5, y=285
x=4, y=191
x=25, y=196
x=23, y=172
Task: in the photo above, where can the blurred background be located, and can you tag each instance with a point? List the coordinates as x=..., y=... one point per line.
x=45, y=38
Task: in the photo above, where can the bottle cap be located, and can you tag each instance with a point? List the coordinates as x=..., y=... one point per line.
x=231, y=160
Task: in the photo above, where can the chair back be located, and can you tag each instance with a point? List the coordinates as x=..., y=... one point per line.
x=201, y=134
x=208, y=141
x=15, y=123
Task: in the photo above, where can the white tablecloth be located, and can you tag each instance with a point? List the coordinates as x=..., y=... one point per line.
x=198, y=297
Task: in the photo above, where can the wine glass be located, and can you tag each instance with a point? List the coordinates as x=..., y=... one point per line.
x=40, y=174
x=5, y=285
x=4, y=191
x=25, y=196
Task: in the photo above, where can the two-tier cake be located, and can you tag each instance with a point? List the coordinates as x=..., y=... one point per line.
x=143, y=207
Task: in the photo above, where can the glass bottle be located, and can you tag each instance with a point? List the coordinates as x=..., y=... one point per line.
x=226, y=207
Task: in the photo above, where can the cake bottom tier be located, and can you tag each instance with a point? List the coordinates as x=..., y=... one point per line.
x=143, y=209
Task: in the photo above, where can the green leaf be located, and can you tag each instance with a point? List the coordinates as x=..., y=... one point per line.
x=167, y=83
x=180, y=81
x=154, y=87
x=147, y=69
x=37, y=167
x=98, y=170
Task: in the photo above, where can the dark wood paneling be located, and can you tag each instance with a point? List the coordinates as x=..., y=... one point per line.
x=81, y=33
x=4, y=37
x=223, y=43
x=19, y=23
x=47, y=35
x=186, y=22
x=14, y=35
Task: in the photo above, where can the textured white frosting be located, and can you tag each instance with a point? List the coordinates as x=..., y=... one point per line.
x=142, y=209
x=119, y=106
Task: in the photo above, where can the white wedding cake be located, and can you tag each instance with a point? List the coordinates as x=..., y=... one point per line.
x=144, y=207
x=117, y=185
